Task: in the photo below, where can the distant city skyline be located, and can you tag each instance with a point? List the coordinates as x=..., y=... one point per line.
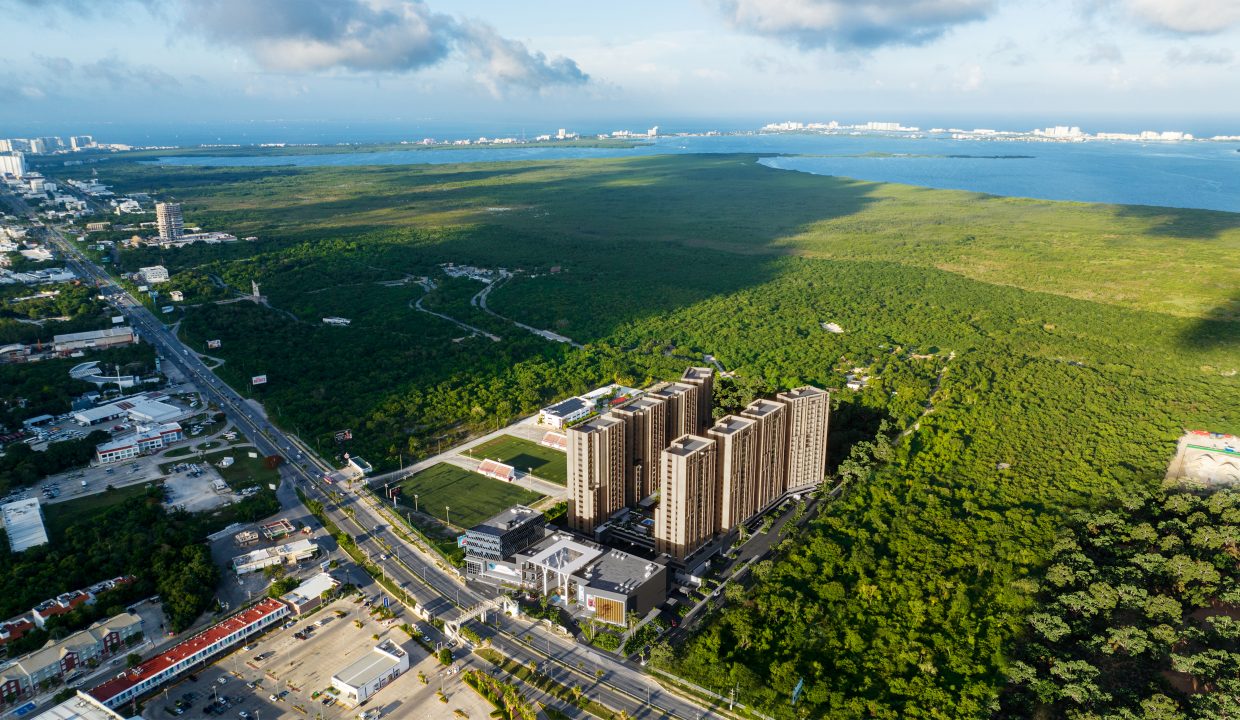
x=479, y=61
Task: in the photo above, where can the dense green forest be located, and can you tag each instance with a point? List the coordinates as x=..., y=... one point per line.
x=1138, y=614
x=1028, y=388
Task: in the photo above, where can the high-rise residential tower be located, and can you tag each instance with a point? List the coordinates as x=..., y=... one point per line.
x=685, y=519
x=645, y=423
x=597, y=470
x=737, y=444
x=682, y=407
x=772, y=431
x=704, y=379
x=171, y=224
x=809, y=410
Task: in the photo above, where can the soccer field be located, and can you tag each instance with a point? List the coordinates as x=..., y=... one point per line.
x=526, y=456
x=471, y=497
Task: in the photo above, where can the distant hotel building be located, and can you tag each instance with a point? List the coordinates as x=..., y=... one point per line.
x=171, y=224
x=702, y=478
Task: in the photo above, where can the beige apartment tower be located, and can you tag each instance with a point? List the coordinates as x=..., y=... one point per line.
x=704, y=379
x=809, y=410
x=736, y=447
x=772, y=430
x=645, y=425
x=682, y=407
x=597, y=468
x=685, y=519
x=168, y=218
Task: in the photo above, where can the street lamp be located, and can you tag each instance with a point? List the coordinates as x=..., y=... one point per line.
x=415, y=502
x=448, y=514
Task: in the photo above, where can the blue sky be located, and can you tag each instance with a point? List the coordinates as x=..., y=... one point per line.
x=556, y=61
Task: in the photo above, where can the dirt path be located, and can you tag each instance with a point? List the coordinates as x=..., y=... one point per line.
x=417, y=305
x=480, y=301
x=929, y=408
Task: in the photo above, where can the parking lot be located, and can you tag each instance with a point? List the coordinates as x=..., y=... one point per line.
x=280, y=676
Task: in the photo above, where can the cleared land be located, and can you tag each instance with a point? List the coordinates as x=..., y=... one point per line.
x=471, y=497
x=525, y=455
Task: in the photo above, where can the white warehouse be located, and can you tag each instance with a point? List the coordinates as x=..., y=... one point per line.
x=371, y=673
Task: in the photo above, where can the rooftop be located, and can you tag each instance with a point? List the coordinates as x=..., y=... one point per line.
x=564, y=408
x=730, y=424
x=371, y=665
x=802, y=392
x=672, y=389
x=703, y=373
x=186, y=649
x=81, y=707
x=93, y=334
x=313, y=588
x=687, y=445
x=23, y=521
x=642, y=403
x=618, y=572
x=602, y=422
x=562, y=553
x=762, y=408
x=503, y=522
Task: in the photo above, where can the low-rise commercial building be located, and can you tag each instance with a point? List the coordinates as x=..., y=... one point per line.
x=93, y=339
x=154, y=274
x=80, y=707
x=288, y=554
x=361, y=680
x=565, y=412
x=23, y=523
x=490, y=546
x=149, y=675
x=598, y=582
x=144, y=440
x=309, y=595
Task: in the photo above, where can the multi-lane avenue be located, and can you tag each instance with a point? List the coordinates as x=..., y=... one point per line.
x=438, y=591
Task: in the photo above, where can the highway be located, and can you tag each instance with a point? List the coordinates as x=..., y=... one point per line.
x=437, y=591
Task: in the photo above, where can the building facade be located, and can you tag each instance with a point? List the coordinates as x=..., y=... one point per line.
x=82, y=650
x=682, y=407
x=151, y=674
x=737, y=444
x=645, y=430
x=704, y=379
x=371, y=673
x=772, y=430
x=145, y=440
x=597, y=468
x=490, y=546
x=809, y=410
x=685, y=519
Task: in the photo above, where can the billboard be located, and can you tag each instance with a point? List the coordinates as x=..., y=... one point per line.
x=167, y=309
x=117, y=319
x=258, y=380
x=213, y=344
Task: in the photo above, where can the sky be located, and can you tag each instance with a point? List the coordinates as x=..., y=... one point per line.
x=555, y=62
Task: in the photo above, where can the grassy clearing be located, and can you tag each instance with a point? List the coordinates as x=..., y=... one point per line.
x=245, y=471
x=59, y=516
x=525, y=455
x=471, y=497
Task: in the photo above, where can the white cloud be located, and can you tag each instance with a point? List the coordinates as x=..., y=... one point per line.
x=1187, y=16
x=1194, y=55
x=852, y=24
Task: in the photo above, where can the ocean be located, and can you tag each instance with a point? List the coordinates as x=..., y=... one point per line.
x=1203, y=175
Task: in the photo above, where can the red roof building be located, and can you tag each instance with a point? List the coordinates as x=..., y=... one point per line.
x=150, y=674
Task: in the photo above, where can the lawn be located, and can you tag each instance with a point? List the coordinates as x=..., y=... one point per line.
x=57, y=517
x=471, y=497
x=526, y=455
x=245, y=471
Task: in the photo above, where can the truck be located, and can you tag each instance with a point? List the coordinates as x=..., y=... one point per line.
x=83, y=484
